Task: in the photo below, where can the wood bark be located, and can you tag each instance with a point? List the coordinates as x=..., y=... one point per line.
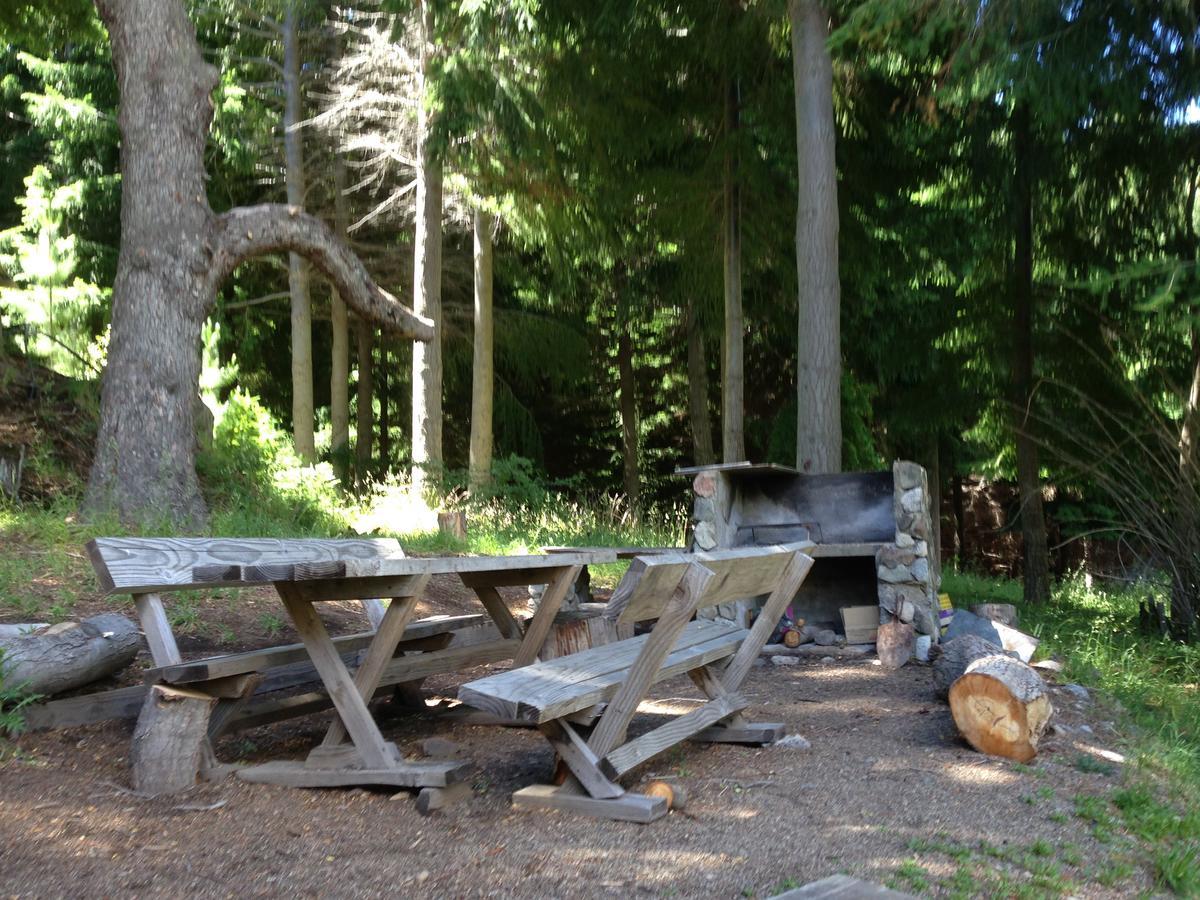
x=733, y=441
x=1001, y=707
x=951, y=658
x=169, y=740
x=385, y=410
x=427, y=284
x=482, y=374
x=60, y=657
x=174, y=254
x=293, y=148
x=697, y=367
x=1033, y=520
x=364, y=398
x=339, y=368
x=629, y=427
x=819, y=355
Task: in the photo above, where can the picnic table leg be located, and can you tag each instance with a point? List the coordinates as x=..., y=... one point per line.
x=561, y=582
x=383, y=647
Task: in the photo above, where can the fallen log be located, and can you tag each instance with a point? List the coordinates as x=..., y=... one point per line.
x=69, y=655
x=951, y=658
x=1001, y=707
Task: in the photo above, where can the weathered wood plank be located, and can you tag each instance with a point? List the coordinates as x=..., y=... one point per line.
x=757, y=733
x=740, y=573
x=146, y=565
x=271, y=657
x=539, y=626
x=350, y=706
x=610, y=730
x=407, y=773
x=495, y=565
x=632, y=754
x=395, y=619
x=157, y=628
x=842, y=887
x=629, y=807
x=795, y=570
x=559, y=687
x=583, y=763
x=499, y=611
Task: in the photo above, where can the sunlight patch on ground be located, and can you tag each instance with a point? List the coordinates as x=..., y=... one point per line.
x=975, y=773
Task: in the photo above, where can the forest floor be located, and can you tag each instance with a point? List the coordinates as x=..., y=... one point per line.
x=887, y=792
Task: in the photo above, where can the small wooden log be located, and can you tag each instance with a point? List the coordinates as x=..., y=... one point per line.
x=70, y=654
x=675, y=794
x=169, y=740
x=1001, y=707
x=951, y=659
x=1004, y=613
x=895, y=643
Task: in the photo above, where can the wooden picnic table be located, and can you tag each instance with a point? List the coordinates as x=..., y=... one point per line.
x=354, y=750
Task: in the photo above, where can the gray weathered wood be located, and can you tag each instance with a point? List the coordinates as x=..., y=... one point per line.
x=758, y=733
x=499, y=611
x=168, y=742
x=68, y=655
x=583, y=763
x=686, y=597
x=619, y=761
x=376, y=608
x=146, y=565
x=475, y=565
x=395, y=619
x=788, y=583
x=350, y=706
x=407, y=773
x=539, y=626
x=629, y=807
x=433, y=798
x=272, y=657
x=157, y=629
x=562, y=686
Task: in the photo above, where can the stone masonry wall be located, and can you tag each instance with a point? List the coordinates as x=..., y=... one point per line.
x=908, y=570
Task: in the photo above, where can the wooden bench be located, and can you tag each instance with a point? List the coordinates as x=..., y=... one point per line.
x=244, y=688
x=583, y=703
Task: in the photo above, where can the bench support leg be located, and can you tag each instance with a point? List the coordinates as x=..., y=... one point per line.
x=570, y=797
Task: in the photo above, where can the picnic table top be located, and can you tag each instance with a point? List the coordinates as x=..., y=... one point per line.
x=442, y=565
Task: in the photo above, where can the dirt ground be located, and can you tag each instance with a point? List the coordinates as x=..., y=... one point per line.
x=885, y=777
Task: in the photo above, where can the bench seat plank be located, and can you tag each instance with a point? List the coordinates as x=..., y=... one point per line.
x=270, y=657
x=559, y=687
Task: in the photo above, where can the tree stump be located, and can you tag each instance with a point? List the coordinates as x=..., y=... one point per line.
x=895, y=643
x=1001, y=707
x=453, y=524
x=169, y=740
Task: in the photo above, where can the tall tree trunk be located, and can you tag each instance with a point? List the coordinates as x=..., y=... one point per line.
x=933, y=472
x=385, y=410
x=627, y=385
x=1033, y=520
x=339, y=369
x=482, y=375
x=733, y=442
x=293, y=146
x=697, y=367
x=175, y=254
x=364, y=421
x=960, y=520
x=1185, y=593
x=819, y=353
x=427, y=286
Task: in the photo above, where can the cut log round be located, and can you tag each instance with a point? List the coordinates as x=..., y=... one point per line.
x=169, y=740
x=951, y=658
x=674, y=794
x=70, y=654
x=1001, y=707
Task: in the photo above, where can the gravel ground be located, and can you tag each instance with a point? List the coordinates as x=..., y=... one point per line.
x=885, y=769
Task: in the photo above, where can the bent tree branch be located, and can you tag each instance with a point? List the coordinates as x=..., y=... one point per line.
x=249, y=231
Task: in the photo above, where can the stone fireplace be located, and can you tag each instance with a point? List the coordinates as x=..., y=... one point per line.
x=871, y=531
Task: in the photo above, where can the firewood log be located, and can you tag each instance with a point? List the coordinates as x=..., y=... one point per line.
x=70, y=654
x=1001, y=707
x=951, y=658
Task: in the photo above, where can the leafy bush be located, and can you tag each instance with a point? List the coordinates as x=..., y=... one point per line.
x=255, y=482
